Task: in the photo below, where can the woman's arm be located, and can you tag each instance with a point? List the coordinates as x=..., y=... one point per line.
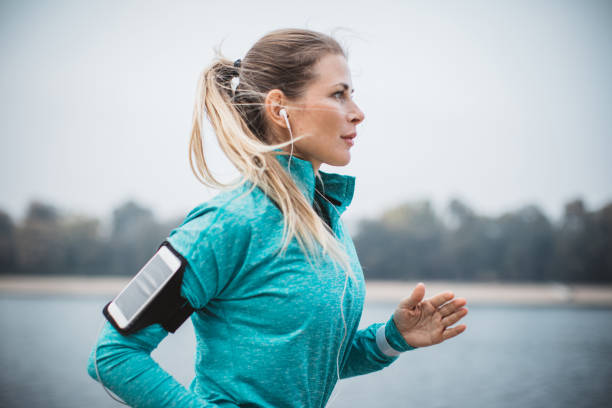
x=415, y=323
x=373, y=349
x=125, y=366
x=124, y=362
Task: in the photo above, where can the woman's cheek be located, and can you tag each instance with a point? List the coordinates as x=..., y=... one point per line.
x=331, y=120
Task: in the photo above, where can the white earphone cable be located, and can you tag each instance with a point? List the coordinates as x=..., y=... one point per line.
x=346, y=276
x=283, y=113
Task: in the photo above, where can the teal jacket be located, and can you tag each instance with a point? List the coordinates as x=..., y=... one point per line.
x=268, y=328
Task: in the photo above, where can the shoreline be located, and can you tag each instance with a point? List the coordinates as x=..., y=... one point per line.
x=490, y=293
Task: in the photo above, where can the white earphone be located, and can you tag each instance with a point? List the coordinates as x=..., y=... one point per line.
x=283, y=113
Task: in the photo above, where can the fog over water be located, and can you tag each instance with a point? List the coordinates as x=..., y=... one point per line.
x=500, y=104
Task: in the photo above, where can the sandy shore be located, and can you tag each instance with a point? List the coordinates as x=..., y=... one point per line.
x=377, y=291
x=499, y=293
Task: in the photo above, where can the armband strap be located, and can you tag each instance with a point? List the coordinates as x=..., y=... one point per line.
x=168, y=308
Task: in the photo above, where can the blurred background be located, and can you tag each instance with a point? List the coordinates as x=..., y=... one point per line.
x=483, y=166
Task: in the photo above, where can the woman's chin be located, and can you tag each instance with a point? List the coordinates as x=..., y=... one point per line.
x=340, y=160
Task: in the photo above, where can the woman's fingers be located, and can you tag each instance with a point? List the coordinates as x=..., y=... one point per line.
x=415, y=298
x=441, y=299
x=453, y=331
x=451, y=307
x=454, y=317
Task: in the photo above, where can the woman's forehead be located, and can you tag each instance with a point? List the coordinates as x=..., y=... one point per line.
x=332, y=70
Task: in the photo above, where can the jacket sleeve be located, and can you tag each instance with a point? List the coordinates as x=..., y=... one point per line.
x=125, y=366
x=124, y=363
x=368, y=354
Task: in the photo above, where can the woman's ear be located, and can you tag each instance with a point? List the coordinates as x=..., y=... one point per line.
x=275, y=101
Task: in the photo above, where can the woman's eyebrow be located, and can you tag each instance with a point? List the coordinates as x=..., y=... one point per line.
x=345, y=86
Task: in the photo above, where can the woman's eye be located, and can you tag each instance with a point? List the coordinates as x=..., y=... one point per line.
x=339, y=95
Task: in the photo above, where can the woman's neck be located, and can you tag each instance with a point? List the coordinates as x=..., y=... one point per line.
x=315, y=164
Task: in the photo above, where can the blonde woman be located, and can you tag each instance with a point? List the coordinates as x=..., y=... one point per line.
x=271, y=272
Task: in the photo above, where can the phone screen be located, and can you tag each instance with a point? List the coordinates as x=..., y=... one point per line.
x=145, y=285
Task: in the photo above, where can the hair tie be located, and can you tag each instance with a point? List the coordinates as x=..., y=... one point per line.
x=235, y=81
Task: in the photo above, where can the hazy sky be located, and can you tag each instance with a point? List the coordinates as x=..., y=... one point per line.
x=499, y=103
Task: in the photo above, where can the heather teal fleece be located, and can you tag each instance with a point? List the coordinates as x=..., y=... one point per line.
x=268, y=327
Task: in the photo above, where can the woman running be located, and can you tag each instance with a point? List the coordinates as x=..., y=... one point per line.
x=272, y=273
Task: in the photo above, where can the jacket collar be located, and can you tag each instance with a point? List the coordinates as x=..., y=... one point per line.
x=336, y=188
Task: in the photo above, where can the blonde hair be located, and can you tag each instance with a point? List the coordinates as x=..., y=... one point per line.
x=283, y=59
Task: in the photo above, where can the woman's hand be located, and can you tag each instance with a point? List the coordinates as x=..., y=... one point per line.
x=426, y=322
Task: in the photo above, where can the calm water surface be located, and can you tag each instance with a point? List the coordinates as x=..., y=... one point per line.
x=509, y=357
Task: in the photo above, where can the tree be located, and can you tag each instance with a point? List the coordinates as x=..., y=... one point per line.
x=472, y=246
x=528, y=245
x=38, y=241
x=135, y=238
x=583, y=244
x=84, y=249
x=8, y=256
x=403, y=244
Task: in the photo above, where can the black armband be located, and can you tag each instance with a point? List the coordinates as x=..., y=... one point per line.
x=152, y=296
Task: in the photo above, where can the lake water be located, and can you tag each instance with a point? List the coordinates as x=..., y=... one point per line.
x=508, y=357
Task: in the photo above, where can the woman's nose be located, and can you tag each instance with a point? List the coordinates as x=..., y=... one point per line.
x=356, y=116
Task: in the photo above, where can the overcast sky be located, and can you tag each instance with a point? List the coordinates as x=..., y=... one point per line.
x=498, y=103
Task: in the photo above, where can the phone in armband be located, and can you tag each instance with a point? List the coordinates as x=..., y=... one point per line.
x=152, y=296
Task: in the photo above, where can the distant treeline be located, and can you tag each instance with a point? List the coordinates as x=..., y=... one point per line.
x=411, y=242
x=406, y=243
x=50, y=243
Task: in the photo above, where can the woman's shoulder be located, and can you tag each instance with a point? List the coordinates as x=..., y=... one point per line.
x=230, y=211
x=220, y=235
x=211, y=230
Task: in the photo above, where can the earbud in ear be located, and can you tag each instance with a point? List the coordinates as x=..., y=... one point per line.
x=283, y=113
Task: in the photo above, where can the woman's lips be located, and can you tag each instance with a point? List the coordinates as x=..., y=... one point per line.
x=349, y=138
